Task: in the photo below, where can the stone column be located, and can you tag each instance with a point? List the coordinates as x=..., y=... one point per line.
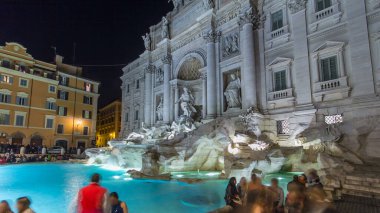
x=149, y=70
x=204, y=95
x=176, y=105
x=167, y=70
x=247, y=25
x=211, y=73
x=301, y=71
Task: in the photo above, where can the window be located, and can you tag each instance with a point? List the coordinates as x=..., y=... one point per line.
x=19, y=120
x=329, y=68
x=60, y=129
x=6, y=79
x=63, y=80
x=86, y=114
x=6, y=64
x=23, y=82
x=5, y=98
x=87, y=100
x=137, y=84
x=52, y=89
x=88, y=87
x=63, y=95
x=126, y=117
x=283, y=127
x=50, y=105
x=62, y=111
x=23, y=101
x=49, y=123
x=136, y=115
x=4, y=117
x=85, y=130
x=322, y=4
x=333, y=119
x=127, y=88
x=280, y=80
x=277, y=20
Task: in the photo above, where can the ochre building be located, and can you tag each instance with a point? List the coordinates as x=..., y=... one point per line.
x=45, y=103
x=109, y=123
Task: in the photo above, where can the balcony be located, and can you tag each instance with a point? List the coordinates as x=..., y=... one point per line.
x=278, y=32
x=282, y=94
x=326, y=18
x=332, y=89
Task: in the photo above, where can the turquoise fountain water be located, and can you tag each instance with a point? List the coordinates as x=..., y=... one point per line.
x=53, y=186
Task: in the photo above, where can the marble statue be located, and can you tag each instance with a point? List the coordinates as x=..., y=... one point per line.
x=208, y=4
x=232, y=92
x=159, y=76
x=176, y=3
x=165, y=28
x=187, y=103
x=146, y=39
x=160, y=109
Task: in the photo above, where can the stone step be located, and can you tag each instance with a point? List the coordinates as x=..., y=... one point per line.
x=360, y=193
x=368, y=189
x=362, y=183
x=372, y=178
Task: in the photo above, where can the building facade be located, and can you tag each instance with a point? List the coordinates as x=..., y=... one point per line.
x=109, y=123
x=296, y=61
x=45, y=103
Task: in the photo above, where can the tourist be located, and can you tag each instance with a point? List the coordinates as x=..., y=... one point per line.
x=313, y=179
x=4, y=207
x=93, y=198
x=23, y=205
x=278, y=204
x=296, y=195
x=232, y=196
x=303, y=180
x=117, y=205
x=242, y=188
x=255, y=187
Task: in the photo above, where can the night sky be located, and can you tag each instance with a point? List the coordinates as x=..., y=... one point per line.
x=105, y=32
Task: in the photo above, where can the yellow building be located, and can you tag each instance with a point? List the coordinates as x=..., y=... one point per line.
x=43, y=103
x=109, y=123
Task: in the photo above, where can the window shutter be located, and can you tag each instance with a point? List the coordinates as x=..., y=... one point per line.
x=90, y=114
x=1, y=78
x=277, y=79
x=83, y=114
x=10, y=80
x=59, y=94
x=65, y=111
x=283, y=80
x=325, y=69
x=333, y=68
x=26, y=103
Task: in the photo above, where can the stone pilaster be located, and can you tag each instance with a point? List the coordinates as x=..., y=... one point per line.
x=149, y=70
x=248, y=23
x=301, y=70
x=211, y=38
x=176, y=104
x=166, y=60
x=204, y=95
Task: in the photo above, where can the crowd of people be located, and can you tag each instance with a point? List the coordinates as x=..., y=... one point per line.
x=90, y=199
x=9, y=158
x=305, y=194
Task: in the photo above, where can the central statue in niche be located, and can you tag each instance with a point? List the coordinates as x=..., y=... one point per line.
x=232, y=92
x=187, y=103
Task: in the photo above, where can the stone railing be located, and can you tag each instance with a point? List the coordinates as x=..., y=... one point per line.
x=277, y=95
x=278, y=32
x=330, y=85
x=326, y=12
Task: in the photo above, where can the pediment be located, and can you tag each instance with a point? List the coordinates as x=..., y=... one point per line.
x=329, y=45
x=280, y=61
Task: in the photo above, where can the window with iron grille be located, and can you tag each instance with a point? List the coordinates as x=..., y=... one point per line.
x=333, y=119
x=283, y=127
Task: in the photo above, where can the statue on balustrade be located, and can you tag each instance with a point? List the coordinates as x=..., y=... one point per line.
x=187, y=103
x=147, y=41
x=232, y=92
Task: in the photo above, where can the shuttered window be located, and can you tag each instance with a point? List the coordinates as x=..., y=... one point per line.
x=329, y=68
x=280, y=80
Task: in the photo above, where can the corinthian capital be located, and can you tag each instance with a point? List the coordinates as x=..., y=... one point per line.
x=296, y=5
x=150, y=69
x=211, y=36
x=167, y=59
x=249, y=16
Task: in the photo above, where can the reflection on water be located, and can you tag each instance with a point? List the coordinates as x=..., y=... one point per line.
x=53, y=186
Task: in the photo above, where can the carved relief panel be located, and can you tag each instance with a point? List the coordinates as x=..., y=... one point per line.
x=230, y=45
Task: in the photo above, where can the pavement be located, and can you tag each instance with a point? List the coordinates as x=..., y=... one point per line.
x=354, y=204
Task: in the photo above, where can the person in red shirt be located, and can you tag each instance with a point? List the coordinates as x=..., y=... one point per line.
x=93, y=198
